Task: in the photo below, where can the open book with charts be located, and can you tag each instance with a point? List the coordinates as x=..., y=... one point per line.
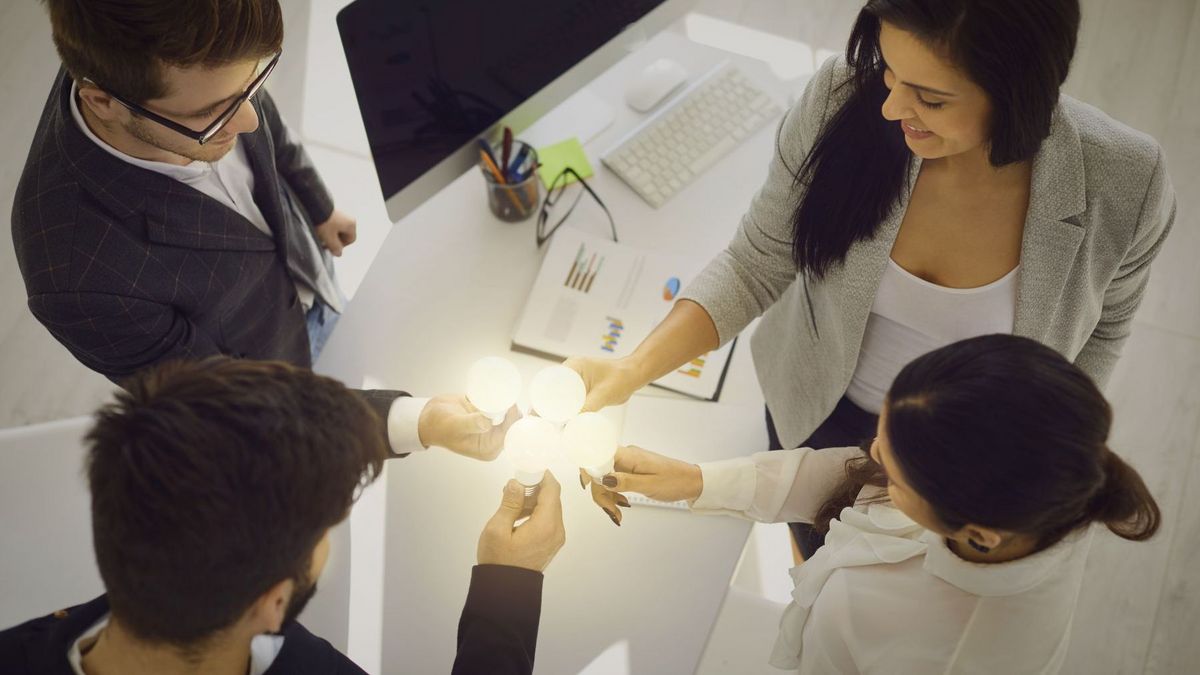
x=595, y=297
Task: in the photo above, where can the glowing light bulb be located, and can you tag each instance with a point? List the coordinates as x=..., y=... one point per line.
x=557, y=393
x=590, y=441
x=493, y=385
x=530, y=444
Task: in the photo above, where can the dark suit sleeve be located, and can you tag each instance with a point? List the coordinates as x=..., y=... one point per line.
x=294, y=164
x=497, y=632
x=381, y=401
x=118, y=335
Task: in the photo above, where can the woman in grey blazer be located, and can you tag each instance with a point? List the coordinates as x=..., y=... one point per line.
x=931, y=169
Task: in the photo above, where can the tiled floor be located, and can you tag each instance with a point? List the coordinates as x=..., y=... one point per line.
x=1138, y=61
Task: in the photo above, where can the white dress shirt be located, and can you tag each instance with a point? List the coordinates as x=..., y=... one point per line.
x=264, y=649
x=885, y=595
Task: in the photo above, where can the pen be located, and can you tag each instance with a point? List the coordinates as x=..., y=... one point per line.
x=527, y=174
x=506, y=151
x=513, y=171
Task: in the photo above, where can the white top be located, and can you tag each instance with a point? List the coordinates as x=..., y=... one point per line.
x=263, y=648
x=884, y=595
x=230, y=180
x=911, y=317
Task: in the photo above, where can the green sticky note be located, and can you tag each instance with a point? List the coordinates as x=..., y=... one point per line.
x=555, y=158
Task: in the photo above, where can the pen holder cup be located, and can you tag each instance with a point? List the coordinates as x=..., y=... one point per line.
x=514, y=201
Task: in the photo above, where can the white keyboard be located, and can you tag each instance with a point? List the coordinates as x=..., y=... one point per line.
x=700, y=126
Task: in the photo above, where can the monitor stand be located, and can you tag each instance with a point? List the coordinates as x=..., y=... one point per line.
x=584, y=115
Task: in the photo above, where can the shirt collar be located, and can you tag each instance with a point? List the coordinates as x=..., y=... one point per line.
x=998, y=579
x=188, y=172
x=264, y=649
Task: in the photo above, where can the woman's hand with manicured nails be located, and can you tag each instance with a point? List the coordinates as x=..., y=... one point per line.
x=638, y=470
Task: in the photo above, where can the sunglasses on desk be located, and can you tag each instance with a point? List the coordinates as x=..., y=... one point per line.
x=560, y=186
x=204, y=135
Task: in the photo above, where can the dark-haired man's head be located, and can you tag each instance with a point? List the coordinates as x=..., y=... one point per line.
x=214, y=486
x=186, y=61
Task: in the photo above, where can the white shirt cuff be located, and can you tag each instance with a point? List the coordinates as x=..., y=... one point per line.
x=728, y=485
x=403, y=424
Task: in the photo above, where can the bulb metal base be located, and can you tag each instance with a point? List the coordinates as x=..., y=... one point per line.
x=531, y=497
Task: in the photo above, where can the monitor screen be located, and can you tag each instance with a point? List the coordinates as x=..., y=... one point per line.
x=431, y=76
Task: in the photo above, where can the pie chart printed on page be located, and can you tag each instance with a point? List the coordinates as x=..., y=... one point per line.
x=671, y=289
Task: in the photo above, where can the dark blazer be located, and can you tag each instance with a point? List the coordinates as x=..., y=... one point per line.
x=497, y=633
x=127, y=267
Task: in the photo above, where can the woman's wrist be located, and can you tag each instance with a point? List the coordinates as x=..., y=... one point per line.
x=695, y=478
x=638, y=369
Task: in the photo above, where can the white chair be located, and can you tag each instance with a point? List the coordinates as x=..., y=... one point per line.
x=45, y=521
x=744, y=634
x=46, y=533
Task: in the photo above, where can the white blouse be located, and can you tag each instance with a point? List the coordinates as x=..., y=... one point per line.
x=911, y=317
x=885, y=595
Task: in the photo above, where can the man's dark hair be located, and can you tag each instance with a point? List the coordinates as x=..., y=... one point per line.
x=122, y=45
x=212, y=481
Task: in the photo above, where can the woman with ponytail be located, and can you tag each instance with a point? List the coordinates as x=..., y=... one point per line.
x=931, y=185
x=957, y=537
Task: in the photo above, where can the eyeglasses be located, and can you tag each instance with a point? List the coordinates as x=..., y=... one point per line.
x=557, y=188
x=206, y=134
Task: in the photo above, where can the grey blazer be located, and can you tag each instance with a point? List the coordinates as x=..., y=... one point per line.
x=1100, y=207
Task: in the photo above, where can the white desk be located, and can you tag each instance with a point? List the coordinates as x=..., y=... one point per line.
x=446, y=288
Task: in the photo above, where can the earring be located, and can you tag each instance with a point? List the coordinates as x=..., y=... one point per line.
x=978, y=547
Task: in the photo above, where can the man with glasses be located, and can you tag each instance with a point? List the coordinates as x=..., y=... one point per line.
x=165, y=211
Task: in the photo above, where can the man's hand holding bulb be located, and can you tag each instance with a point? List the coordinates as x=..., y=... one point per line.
x=450, y=421
x=533, y=544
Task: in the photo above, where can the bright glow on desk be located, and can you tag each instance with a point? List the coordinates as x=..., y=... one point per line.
x=788, y=59
x=493, y=385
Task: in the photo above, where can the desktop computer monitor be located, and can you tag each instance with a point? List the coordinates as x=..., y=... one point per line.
x=431, y=76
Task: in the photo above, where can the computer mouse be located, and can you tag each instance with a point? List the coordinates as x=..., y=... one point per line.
x=654, y=84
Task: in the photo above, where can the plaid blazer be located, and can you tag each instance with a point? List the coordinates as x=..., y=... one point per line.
x=127, y=267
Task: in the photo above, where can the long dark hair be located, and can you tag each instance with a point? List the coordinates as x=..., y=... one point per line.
x=1002, y=431
x=1017, y=51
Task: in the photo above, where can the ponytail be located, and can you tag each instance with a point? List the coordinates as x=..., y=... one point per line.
x=1123, y=503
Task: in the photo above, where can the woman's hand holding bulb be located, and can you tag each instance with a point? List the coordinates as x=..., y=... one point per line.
x=608, y=381
x=648, y=473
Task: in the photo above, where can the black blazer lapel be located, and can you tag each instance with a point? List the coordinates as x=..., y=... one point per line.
x=175, y=214
x=281, y=208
